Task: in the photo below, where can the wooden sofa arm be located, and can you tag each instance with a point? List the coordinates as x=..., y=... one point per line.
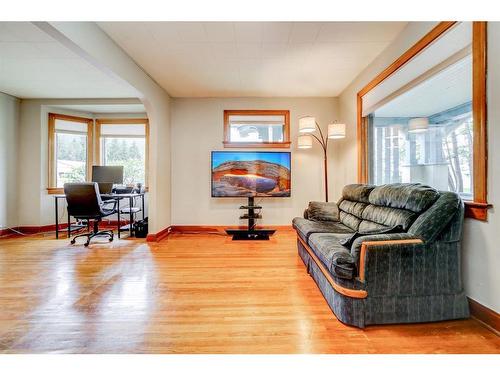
x=367, y=244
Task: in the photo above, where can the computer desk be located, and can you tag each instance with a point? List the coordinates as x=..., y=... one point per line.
x=117, y=198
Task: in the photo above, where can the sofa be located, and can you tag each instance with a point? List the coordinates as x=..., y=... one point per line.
x=387, y=254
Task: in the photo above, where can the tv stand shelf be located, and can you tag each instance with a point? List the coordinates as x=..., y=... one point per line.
x=250, y=207
x=255, y=216
x=251, y=233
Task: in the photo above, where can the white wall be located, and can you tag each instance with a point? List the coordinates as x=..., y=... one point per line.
x=481, y=259
x=197, y=129
x=9, y=122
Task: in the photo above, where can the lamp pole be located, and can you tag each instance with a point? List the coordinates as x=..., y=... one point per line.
x=323, y=141
x=307, y=126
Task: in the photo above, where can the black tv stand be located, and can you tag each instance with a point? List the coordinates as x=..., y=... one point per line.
x=250, y=233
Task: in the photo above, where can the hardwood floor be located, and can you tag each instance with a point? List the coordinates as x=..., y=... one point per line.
x=189, y=294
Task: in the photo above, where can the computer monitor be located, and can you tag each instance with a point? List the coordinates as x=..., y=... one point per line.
x=107, y=173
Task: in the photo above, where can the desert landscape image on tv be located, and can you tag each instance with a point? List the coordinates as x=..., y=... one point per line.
x=250, y=174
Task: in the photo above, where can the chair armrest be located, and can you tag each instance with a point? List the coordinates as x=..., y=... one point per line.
x=107, y=202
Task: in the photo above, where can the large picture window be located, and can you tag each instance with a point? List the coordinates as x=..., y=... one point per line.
x=425, y=134
x=423, y=119
x=70, y=149
x=124, y=142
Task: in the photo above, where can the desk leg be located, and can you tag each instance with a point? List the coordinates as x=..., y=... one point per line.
x=57, y=218
x=143, y=213
x=69, y=224
x=118, y=214
x=131, y=204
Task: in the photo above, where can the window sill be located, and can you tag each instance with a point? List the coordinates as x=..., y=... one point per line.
x=52, y=191
x=476, y=210
x=256, y=144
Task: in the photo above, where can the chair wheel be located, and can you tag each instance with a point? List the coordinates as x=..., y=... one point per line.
x=72, y=242
x=86, y=244
x=110, y=239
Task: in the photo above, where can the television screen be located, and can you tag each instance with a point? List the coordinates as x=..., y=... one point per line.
x=250, y=174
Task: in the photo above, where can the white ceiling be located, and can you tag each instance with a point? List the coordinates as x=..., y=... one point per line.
x=211, y=59
x=453, y=87
x=33, y=65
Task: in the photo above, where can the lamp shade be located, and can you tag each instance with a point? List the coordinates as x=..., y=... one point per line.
x=418, y=125
x=307, y=124
x=304, y=141
x=336, y=131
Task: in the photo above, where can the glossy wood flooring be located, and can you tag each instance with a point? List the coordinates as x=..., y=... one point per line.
x=189, y=294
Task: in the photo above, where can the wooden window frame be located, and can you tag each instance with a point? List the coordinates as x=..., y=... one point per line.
x=123, y=121
x=478, y=208
x=256, y=112
x=51, y=182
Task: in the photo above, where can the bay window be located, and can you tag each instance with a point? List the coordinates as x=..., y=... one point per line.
x=75, y=144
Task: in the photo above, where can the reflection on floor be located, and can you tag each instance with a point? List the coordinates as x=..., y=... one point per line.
x=189, y=294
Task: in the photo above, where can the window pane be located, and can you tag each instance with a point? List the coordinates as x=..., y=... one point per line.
x=425, y=134
x=129, y=152
x=123, y=129
x=256, y=133
x=72, y=126
x=71, y=158
x=256, y=128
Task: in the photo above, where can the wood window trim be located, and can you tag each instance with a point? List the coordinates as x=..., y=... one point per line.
x=255, y=112
x=123, y=121
x=52, y=189
x=477, y=209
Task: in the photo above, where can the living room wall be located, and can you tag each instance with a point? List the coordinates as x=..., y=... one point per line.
x=9, y=123
x=197, y=129
x=480, y=242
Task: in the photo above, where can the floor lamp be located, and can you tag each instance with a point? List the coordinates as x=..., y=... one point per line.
x=308, y=126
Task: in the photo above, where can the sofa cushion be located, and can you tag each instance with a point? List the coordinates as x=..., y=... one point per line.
x=306, y=227
x=350, y=220
x=323, y=211
x=413, y=197
x=336, y=258
x=349, y=240
x=357, y=192
x=377, y=217
x=353, y=208
x=429, y=225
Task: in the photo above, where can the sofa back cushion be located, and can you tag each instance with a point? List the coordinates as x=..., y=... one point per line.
x=357, y=192
x=412, y=197
x=367, y=208
x=431, y=223
x=379, y=217
x=352, y=204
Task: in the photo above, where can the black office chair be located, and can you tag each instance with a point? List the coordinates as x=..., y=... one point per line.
x=84, y=203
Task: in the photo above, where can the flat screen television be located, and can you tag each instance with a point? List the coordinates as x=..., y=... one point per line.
x=251, y=174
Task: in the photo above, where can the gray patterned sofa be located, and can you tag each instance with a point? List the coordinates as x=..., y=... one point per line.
x=411, y=275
